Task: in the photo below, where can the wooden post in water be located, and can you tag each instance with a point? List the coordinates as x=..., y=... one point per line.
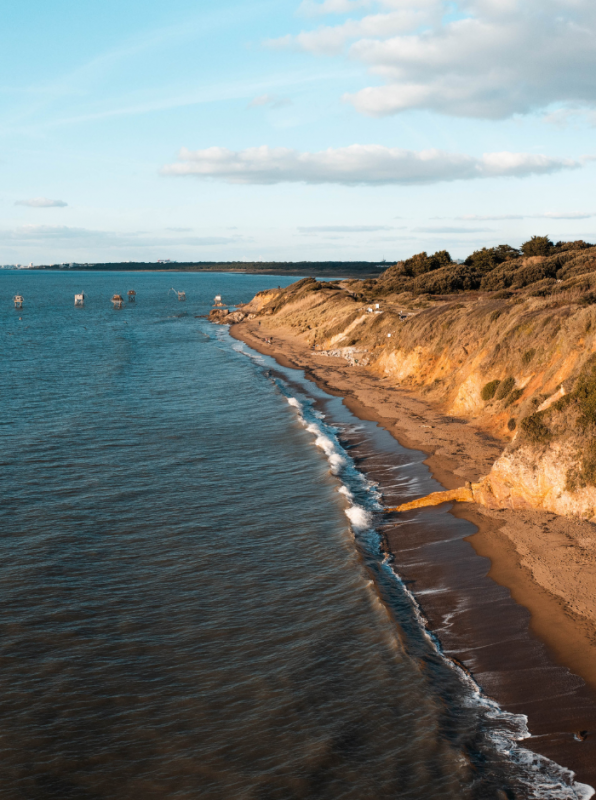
x=18, y=300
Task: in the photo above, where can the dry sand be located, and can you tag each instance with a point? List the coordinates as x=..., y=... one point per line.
x=547, y=563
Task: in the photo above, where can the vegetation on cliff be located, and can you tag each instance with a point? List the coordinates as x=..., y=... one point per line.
x=506, y=338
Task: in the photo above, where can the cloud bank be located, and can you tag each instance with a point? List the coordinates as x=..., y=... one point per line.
x=546, y=215
x=270, y=100
x=41, y=202
x=344, y=228
x=65, y=235
x=357, y=165
x=473, y=58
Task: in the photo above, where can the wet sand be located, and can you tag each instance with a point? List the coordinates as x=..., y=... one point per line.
x=522, y=643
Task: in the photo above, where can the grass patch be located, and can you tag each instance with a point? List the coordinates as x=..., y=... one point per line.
x=514, y=397
x=585, y=394
x=528, y=356
x=504, y=388
x=534, y=429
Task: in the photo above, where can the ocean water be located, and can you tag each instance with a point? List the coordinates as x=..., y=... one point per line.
x=195, y=599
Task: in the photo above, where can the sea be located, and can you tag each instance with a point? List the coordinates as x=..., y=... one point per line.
x=196, y=599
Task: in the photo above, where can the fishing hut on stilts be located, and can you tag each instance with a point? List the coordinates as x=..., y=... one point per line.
x=132, y=296
x=117, y=301
x=18, y=300
x=80, y=299
x=181, y=295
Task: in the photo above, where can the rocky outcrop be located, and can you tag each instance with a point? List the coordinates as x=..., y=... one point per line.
x=222, y=316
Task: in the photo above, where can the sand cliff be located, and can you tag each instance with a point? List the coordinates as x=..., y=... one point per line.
x=520, y=367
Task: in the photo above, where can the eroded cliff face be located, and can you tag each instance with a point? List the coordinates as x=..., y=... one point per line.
x=510, y=361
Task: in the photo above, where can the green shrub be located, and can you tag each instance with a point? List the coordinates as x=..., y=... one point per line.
x=528, y=356
x=447, y=280
x=512, y=424
x=422, y=263
x=505, y=387
x=488, y=258
x=537, y=246
x=535, y=430
x=514, y=397
x=489, y=389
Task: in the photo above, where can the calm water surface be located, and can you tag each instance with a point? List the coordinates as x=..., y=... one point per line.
x=195, y=604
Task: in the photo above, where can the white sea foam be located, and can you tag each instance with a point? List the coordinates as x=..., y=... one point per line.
x=360, y=518
x=544, y=779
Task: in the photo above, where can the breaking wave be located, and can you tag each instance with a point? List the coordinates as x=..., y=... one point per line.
x=541, y=778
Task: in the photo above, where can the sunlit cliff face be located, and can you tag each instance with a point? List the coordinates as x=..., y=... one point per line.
x=513, y=361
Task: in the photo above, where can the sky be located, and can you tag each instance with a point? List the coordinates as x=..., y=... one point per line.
x=293, y=129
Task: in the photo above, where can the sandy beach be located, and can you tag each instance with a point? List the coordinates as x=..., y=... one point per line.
x=527, y=631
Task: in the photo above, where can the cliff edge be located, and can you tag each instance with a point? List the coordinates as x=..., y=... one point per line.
x=506, y=340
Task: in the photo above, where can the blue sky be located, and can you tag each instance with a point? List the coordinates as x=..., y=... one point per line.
x=343, y=129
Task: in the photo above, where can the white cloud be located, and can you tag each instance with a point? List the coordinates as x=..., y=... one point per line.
x=469, y=58
x=271, y=100
x=330, y=39
x=41, y=202
x=546, y=215
x=448, y=229
x=65, y=235
x=309, y=8
x=344, y=228
x=357, y=165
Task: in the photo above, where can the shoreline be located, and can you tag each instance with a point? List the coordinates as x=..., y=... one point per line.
x=566, y=637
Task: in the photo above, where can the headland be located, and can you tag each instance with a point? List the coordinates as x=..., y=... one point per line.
x=495, y=384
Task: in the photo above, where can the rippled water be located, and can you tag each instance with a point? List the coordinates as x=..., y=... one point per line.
x=195, y=602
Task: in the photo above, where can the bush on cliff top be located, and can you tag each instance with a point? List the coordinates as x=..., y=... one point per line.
x=488, y=269
x=537, y=246
x=488, y=258
x=422, y=263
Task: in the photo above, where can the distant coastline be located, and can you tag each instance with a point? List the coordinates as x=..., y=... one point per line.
x=326, y=269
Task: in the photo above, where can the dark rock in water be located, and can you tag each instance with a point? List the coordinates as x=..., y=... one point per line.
x=218, y=315
x=223, y=315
